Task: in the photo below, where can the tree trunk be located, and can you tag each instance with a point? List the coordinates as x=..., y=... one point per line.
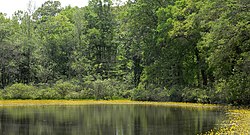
x=204, y=77
x=3, y=81
x=137, y=70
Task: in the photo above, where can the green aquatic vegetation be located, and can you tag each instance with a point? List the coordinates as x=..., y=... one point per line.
x=237, y=122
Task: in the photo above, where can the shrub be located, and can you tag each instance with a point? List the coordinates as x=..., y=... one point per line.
x=104, y=89
x=1, y=94
x=141, y=93
x=48, y=93
x=152, y=93
x=127, y=94
x=19, y=91
x=64, y=88
x=238, y=89
x=73, y=95
x=164, y=95
x=195, y=95
x=86, y=94
x=99, y=89
x=219, y=94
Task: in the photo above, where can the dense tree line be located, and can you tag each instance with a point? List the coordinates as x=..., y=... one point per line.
x=160, y=50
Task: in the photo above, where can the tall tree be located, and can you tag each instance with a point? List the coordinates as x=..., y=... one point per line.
x=227, y=44
x=8, y=52
x=100, y=33
x=142, y=34
x=26, y=39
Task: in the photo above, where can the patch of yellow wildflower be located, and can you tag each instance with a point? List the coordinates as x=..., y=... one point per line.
x=237, y=123
x=85, y=102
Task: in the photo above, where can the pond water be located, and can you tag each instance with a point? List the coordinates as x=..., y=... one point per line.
x=106, y=120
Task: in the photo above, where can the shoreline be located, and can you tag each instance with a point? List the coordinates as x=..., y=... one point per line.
x=86, y=102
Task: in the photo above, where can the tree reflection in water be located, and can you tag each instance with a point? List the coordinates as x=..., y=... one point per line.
x=106, y=120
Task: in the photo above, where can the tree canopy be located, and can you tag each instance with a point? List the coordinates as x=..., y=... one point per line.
x=162, y=50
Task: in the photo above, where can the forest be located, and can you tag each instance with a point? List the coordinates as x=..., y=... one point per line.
x=146, y=50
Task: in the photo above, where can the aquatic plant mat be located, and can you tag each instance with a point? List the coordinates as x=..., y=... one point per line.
x=237, y=123
x=237, y=120
x=87, y=102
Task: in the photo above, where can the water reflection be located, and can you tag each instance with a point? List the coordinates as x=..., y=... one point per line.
x=105, y=120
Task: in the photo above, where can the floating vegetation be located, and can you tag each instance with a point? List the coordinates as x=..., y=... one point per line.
x=237, y=123
x=59, y=102
x=84, y=102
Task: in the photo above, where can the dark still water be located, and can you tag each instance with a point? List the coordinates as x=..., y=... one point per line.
x=106, y=120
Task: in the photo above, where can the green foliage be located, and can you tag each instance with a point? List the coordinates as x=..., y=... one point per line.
x=99, y=89
x=197, y=95
x=65, y=88
x=238, y=89
x=48, y=93
x=1, y=94
x=164, y=50
x=19, y=91
x=152, y=93
x=102, y=89
x=73, y=95
x=108, y=89
x=4, y=31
